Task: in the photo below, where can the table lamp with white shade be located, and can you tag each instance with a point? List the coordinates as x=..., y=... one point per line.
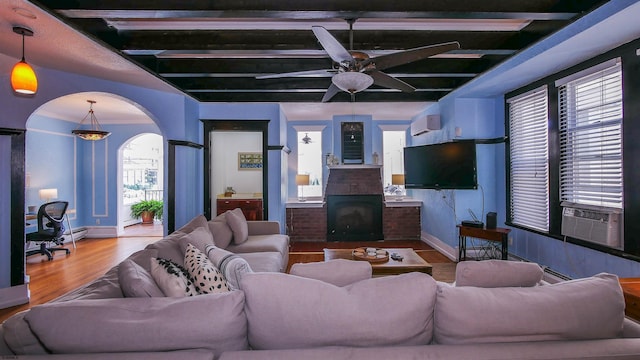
x=48, y=194
x=302, y=180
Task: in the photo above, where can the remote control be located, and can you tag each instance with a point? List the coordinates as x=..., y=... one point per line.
x=396, y=256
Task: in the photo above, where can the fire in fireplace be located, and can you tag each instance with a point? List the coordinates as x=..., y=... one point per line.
x=354, y=218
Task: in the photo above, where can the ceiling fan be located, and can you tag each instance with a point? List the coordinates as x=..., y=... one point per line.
x=356, y=71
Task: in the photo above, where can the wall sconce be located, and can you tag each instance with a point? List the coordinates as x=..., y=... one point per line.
x=398, y=180
x=23, y=78
x=96, y=132
x=302, y=180
x=48, y=194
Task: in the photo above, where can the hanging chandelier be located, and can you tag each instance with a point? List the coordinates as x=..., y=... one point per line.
x=96, y=132
x=23, y=78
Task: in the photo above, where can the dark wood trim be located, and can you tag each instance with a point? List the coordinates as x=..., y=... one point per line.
x=210, y=125
x=171, y=181
x=17, y=203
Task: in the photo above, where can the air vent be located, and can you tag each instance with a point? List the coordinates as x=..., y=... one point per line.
x=591, y=223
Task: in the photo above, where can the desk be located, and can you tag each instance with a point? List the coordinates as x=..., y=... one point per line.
x=497, y=234
x=66, y=215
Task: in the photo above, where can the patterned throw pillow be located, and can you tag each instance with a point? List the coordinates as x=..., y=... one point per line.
x=207, y=278
x=172, y=279
x=232, y=266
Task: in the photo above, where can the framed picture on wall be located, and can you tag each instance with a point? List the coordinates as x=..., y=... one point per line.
x=249, y=161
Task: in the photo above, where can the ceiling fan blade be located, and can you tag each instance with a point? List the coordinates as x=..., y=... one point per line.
x=309, y=73
x=411, y=55
x=331, y=92
x=388, y=81
x=336, y=51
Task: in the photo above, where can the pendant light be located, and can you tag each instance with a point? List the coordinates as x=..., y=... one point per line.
x=96, y=132
x=23, y=78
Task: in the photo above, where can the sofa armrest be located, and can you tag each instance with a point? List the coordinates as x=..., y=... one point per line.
x=631, y=328
x=263, y=227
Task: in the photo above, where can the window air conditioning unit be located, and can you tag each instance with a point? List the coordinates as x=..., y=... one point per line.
x=424, y=124
x=595, y=224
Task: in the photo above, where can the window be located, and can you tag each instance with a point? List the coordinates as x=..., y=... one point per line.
x=393, y=143
x=310, y=162
x=591, y=137
x=529, y=168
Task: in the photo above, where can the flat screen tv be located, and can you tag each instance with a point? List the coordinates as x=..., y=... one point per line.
x=449, y=165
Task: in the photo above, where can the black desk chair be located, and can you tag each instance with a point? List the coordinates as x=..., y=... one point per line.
x=50, y=229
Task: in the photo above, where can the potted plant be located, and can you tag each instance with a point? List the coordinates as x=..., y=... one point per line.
x=147, y=210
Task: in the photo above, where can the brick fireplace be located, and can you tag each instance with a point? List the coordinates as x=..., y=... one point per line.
x=362, y=186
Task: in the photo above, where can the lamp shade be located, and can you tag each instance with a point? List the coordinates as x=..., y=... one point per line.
x=23, y=79
x=302, y=179
x=48, y=194
x=397, y=179
x=352, y=81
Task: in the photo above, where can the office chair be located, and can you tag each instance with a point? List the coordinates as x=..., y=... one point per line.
x=50, y=229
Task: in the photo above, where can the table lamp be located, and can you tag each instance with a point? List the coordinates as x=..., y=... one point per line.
x=302, y=180
x=398, y=179
x=48, y=194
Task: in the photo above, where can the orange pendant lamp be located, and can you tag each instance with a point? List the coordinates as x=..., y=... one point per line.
x=23, y=78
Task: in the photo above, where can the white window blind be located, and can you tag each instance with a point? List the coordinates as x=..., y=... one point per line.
x=529, y=166
x=591, y=138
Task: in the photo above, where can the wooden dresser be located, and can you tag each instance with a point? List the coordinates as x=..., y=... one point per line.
x=251, y=208
x=631, y=290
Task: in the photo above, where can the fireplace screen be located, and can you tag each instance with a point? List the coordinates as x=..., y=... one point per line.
x=354, y=218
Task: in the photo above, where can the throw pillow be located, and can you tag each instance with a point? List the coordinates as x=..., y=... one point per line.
x=498, y=273
x=200, y=238
x=232, y=266
x=135, y=281
x=238, y=224
x=221, y=232
x=172, y=279
x=339, y=272
x=207, y=278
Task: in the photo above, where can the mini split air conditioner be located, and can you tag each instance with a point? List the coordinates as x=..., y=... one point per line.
x=595, y=224
x=424, y=124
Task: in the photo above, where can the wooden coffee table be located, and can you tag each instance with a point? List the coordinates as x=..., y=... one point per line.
x=411, y=261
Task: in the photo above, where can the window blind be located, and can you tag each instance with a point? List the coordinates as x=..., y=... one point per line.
x=591, y=138
x=529, y=165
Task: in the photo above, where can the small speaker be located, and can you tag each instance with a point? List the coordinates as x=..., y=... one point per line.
x=491, y=220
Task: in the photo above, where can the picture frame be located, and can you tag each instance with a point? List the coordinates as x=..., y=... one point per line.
x=249, y=161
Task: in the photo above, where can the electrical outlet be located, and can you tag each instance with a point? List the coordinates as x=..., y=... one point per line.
x=510, y=240
x=97, y=221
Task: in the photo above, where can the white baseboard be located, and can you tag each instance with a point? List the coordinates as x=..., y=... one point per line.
x=100, y=232
x=15, y=295
x=444, y=248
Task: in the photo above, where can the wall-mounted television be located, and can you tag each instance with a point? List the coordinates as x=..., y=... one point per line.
x=449, y=165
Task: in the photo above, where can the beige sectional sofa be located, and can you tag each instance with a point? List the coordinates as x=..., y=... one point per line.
x=329, y=310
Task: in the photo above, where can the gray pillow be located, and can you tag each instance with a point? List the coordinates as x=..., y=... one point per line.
x=222, y=234
x=498, y=273
x=286, y=312
x=339, y=272
x=231, y=265
x=200, y=238
x=589, y=308
x=135, y=281
x=238, y=224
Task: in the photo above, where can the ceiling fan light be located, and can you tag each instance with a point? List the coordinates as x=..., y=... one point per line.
x=352, y=81
x=23, y=79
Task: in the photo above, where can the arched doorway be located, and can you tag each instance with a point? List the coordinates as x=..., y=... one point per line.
x=140, y=169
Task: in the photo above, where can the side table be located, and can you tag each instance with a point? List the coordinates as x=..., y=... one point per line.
x=497, y=234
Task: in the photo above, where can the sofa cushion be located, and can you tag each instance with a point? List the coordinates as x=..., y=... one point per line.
x=238, y=224
x=339, y=272
x=135, y=281
x=216, y=322
x=264, y=261
x=206, y=276
x=232, y=266
x=498, y=273
x=222, y=234
x=589, y=308
x=169, y=248
x=261, y=243
x=200, y=238
x=173, y=279
x=287, y=312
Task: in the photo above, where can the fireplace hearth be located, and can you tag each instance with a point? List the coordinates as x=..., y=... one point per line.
x=354, y=218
